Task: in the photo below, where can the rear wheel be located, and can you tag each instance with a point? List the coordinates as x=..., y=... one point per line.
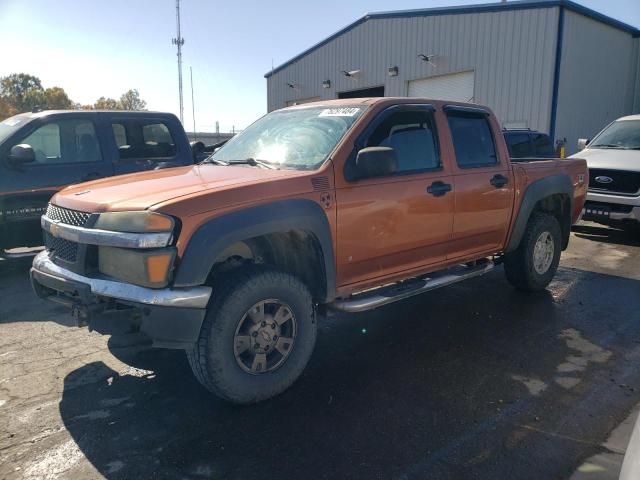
x=257, y=337
x=534, y=263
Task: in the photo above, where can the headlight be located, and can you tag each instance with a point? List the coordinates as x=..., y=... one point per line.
x=147, y=268
x=135, y=222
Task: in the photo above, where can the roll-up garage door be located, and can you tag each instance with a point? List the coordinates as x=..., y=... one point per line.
x=457, y=87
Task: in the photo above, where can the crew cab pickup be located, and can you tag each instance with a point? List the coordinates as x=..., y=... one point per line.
x=342, y=205
x=42, y=152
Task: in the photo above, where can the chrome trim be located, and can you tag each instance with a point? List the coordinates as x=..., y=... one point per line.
x=373, y=299
x=107, y=238
x=193, y=297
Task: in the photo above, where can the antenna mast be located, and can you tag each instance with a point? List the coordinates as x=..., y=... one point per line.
x=179, y=41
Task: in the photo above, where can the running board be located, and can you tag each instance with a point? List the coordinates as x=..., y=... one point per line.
x=384, y=295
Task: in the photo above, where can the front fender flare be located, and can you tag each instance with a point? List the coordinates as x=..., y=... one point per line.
x=536, y=191
x=214, y=236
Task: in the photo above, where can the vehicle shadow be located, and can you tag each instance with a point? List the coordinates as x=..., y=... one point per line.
x=459, y=383
x=615, y=236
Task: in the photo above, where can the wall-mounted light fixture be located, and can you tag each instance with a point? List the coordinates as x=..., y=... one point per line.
x=326, y=84
x=291, y=85
x=351, y=73
x=392, y=71
x=428, y=58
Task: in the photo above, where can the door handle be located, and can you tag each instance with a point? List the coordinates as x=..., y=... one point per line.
x=91, y=176
x=438, y=188
x=499, y=181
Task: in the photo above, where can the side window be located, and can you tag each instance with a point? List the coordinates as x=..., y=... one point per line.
x=143, y=139
x=412, y=135
x=543, y=146
x=472, y=140
x=65, y=141
x=519, y=145
x=120, y=134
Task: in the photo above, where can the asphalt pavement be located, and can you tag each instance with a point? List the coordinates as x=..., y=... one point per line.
x=476, y=380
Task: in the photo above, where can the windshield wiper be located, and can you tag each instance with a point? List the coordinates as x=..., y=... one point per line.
x=246, y=161
x=606, y=145
x=213, y=160
x=253, y=162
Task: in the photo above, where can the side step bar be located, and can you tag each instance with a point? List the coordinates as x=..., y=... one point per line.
x=371, y=299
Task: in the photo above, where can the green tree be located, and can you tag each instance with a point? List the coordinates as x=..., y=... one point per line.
x=56, y=98
x=18, y=88
x=106, y=104
x=131, y=101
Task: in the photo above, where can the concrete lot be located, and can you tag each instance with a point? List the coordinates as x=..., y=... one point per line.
x=473, y=381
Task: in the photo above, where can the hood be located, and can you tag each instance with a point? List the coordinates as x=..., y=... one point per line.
x=143, y=190
x=610, y=158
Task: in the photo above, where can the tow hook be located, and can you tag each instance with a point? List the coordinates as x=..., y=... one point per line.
x=84, y=314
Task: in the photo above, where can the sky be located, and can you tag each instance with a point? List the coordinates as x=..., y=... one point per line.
x=95, y=48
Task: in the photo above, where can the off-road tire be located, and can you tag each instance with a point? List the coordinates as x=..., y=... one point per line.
x=213, y=361
x=519, y=264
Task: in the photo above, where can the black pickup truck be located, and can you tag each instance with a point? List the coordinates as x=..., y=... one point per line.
x=43, y=152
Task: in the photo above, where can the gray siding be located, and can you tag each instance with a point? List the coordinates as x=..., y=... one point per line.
x=511, y=52
x=597, y=78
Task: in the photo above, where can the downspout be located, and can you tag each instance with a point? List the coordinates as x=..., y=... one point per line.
x=556, y=76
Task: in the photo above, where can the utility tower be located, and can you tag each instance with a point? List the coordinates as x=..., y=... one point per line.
x=178, y=42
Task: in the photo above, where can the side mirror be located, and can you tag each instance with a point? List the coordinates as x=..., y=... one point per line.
x=22, y=153
x=197, y=148
x=582, y=143
x=376, y=162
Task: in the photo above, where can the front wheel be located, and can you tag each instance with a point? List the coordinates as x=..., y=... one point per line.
x=257, y=336
x=533, y=264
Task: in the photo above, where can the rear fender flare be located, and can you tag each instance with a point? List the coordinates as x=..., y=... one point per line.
x=536, y=191
x=214, y=236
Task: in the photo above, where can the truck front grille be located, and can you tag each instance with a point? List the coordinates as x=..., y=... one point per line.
x=61, y=248
x=614, y=181
x=68, y=216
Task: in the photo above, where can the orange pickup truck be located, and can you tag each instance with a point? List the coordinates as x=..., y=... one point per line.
x=345, y=205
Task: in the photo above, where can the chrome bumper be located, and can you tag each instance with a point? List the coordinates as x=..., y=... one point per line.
x=194, y=297
x=94, y=236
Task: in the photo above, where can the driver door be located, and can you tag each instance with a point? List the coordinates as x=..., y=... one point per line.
x=401, y=222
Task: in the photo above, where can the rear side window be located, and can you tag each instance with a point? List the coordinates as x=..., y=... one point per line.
x=472, y=140
x=519, y=145
x=143, y=138
x=412, y=135
x=542, y=145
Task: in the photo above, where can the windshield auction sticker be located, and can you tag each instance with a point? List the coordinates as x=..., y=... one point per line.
x=339, y=112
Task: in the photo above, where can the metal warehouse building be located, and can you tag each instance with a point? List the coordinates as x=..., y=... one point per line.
x=549, y=65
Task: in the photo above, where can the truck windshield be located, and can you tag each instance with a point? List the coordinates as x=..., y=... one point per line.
x=11, y=125
x=299, y=139
x=623, y=134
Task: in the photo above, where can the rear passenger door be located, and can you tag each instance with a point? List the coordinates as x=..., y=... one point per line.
x=483, y=183
x=144, y=143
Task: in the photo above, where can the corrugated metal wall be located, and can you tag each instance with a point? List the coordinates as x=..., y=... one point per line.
x=511, y=52
x=597, y=77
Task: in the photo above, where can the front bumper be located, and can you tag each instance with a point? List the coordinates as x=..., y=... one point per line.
x=170, y=317
x=611, y=209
